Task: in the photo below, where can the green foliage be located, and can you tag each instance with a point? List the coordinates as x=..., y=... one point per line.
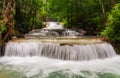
x=0, y=9
x=2, y=28
x=112, y=31
x=28, y=15
x=86, y=14
x=82, y=14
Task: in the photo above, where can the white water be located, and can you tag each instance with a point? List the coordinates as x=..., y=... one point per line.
x=38, y=60
x=31, y=66
x=54, y=29
x=54, y=33
x=65, y=52
x=54, y=25
x=70, y=33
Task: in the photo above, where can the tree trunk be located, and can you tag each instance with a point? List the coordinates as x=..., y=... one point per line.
x=102, y=7
x=8, y=18
x=113, y=2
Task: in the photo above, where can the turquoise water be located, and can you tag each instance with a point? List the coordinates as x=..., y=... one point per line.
x=41, y=67
x=85, y=74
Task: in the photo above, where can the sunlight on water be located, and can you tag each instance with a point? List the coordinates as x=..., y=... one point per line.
x=41, y=67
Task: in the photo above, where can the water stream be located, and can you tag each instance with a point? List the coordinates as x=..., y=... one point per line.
x=42, y=67
x=55, y=50
x=58, y=57
x=33, y=59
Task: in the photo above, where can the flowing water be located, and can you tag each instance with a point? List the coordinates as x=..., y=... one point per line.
x=54, y=25
x=58, y=58
x=33, y=59
x=55, y=29
x=65, y=52
x=42, y=67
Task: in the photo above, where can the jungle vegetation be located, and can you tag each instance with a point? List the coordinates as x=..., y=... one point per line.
x=97, y=17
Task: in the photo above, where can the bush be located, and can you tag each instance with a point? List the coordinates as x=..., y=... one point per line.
x=112, y=31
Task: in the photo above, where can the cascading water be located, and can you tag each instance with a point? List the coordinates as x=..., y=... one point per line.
x=58, y=57
x=33, y=58
x=65, y=52
x=55, y=29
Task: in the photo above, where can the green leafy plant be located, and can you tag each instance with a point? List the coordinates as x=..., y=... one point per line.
x=112, y=31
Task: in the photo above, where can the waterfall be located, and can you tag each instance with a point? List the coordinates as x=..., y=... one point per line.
x=54, y=29
x=40, y=33
x=55, y=50
x=59, y=53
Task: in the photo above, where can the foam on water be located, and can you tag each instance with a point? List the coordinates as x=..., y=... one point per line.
x=31, y=66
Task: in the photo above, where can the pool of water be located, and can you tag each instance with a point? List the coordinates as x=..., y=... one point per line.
x=42, y=67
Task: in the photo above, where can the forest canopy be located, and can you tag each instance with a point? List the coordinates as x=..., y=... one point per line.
x=89, y=15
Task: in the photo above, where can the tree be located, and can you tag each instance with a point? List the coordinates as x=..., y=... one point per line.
x=28, y=15
x=2, y=27
x=102, y=7
x=8, y=8
x=84, y=14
